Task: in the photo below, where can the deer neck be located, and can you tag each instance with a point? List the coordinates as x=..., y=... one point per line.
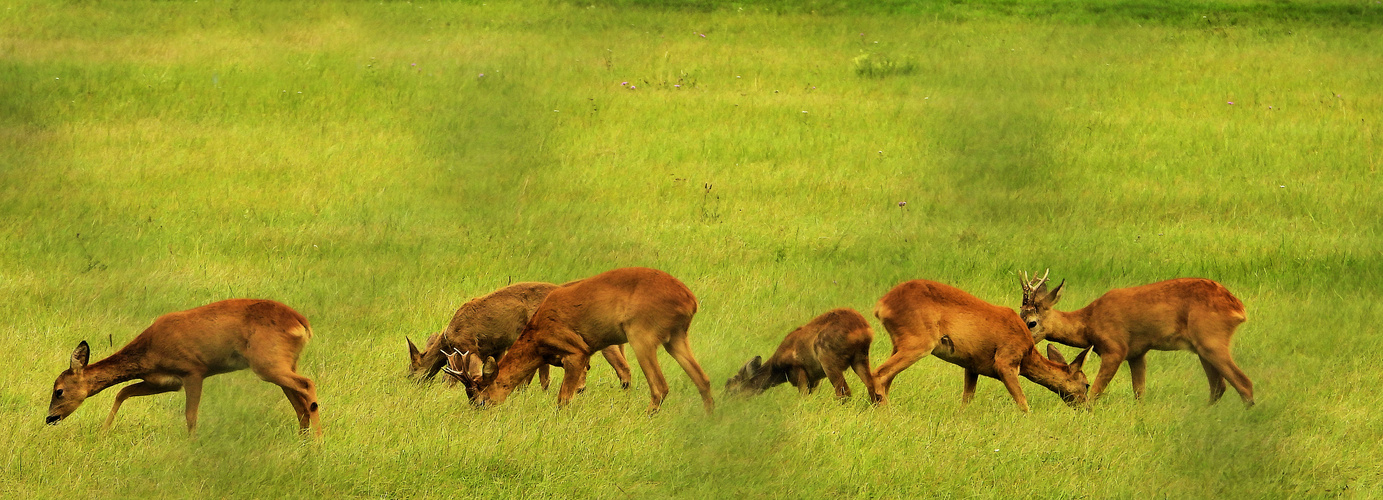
x=516, y=366
x=1043, y=371
x=1067, y=328
x=117, y=368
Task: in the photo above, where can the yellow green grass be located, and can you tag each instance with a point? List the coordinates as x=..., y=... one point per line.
x=350, y=160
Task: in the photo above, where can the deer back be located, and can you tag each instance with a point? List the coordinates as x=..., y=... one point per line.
x=920, y=313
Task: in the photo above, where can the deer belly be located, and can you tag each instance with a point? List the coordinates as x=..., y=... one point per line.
x=1171, y=343
x=234, y=362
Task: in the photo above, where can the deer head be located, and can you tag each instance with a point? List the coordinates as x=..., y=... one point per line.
x=421, y=365
x=72, y=386
x=474, y=375
x=1037, y=303
x=753, y=378
x=1073, y=387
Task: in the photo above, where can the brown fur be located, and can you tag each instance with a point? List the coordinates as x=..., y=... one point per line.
x=641, y=306
x=488, y=325
x=1184, y=314
x=925, y=317
x=180, y=349
x=824, y=348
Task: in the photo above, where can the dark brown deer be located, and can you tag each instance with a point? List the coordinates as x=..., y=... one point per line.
x=824, y=348
x=488, y=325
x=925, y=317
x=640, y=306
x=180, y=349
x=1185, y=314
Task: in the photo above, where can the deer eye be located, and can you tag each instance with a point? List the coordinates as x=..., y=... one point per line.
x=57, y=393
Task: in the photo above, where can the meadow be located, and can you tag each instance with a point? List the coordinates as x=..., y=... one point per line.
x=376, y=164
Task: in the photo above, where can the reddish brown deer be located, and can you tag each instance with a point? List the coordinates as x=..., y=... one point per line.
x=824, y=348
x=636, y=305
x=1185, y=314
x=180, y=349
x=925, y=317
x=488, y=325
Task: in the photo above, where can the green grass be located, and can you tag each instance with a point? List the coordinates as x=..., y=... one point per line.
x=349, y=160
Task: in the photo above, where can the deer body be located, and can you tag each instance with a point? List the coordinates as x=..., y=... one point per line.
x=488, y=325
x=926, y=317
x=826, y=347
x=181, y=349
x=643, y=307
x=1185, y=314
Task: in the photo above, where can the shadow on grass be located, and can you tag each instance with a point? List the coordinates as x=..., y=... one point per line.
x=1177, y=13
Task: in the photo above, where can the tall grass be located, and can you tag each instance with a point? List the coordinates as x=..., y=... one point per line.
x=375, y=165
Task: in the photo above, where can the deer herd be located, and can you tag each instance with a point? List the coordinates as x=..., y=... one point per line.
x=499, y=342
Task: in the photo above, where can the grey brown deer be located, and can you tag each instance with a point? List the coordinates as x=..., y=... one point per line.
x=181, y=349
x=926, y=317
x=643, y=307
x=1184, y=314
x=486, y=326
x=826, y=347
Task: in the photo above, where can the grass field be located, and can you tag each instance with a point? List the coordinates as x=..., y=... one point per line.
x=376, y=164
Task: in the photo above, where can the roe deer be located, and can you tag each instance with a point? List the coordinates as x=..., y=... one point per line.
x=925, y=317
x=1187, y=314
x=824, y=348
x=180, y=349
x=641, y=306
x=488, y=325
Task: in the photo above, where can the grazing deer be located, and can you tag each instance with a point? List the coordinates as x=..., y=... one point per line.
x=925, y=317
x=1185, y=314
x=182, y=348
x=488, y=325
x=641, y=306
x=824, y=348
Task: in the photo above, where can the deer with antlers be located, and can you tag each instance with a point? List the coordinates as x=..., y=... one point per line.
x=925, y=317
x=487, y=326
x=1184, y=314
x=824, y=348
x=181, y=349
x=643, y=307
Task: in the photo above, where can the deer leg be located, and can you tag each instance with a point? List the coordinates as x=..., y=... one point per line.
x=148, y=387
x=836, y=374
x=971, y=380
x=544, y=376
x=297, y=387
x=646, y=351
x=899, y=361
x=1217, y=381
x=193, y=385
x=574, y=368
x=615, y=356
x=1009, y=376
x=1138, y=370
x=1220, y=358
x=799, y=380
x=298, y=408
x=1109, y=365
x=871, y=387
x=680, y=349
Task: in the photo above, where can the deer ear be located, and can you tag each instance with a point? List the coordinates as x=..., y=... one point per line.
x=491, y=367
x=1054, y=354
x=413, y=353
x=470, y=364
x=1055, y=296
x=1080, y=360
x=80, y=357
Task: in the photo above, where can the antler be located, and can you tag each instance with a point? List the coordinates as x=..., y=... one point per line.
x=455, y=358
x=1031, y=285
